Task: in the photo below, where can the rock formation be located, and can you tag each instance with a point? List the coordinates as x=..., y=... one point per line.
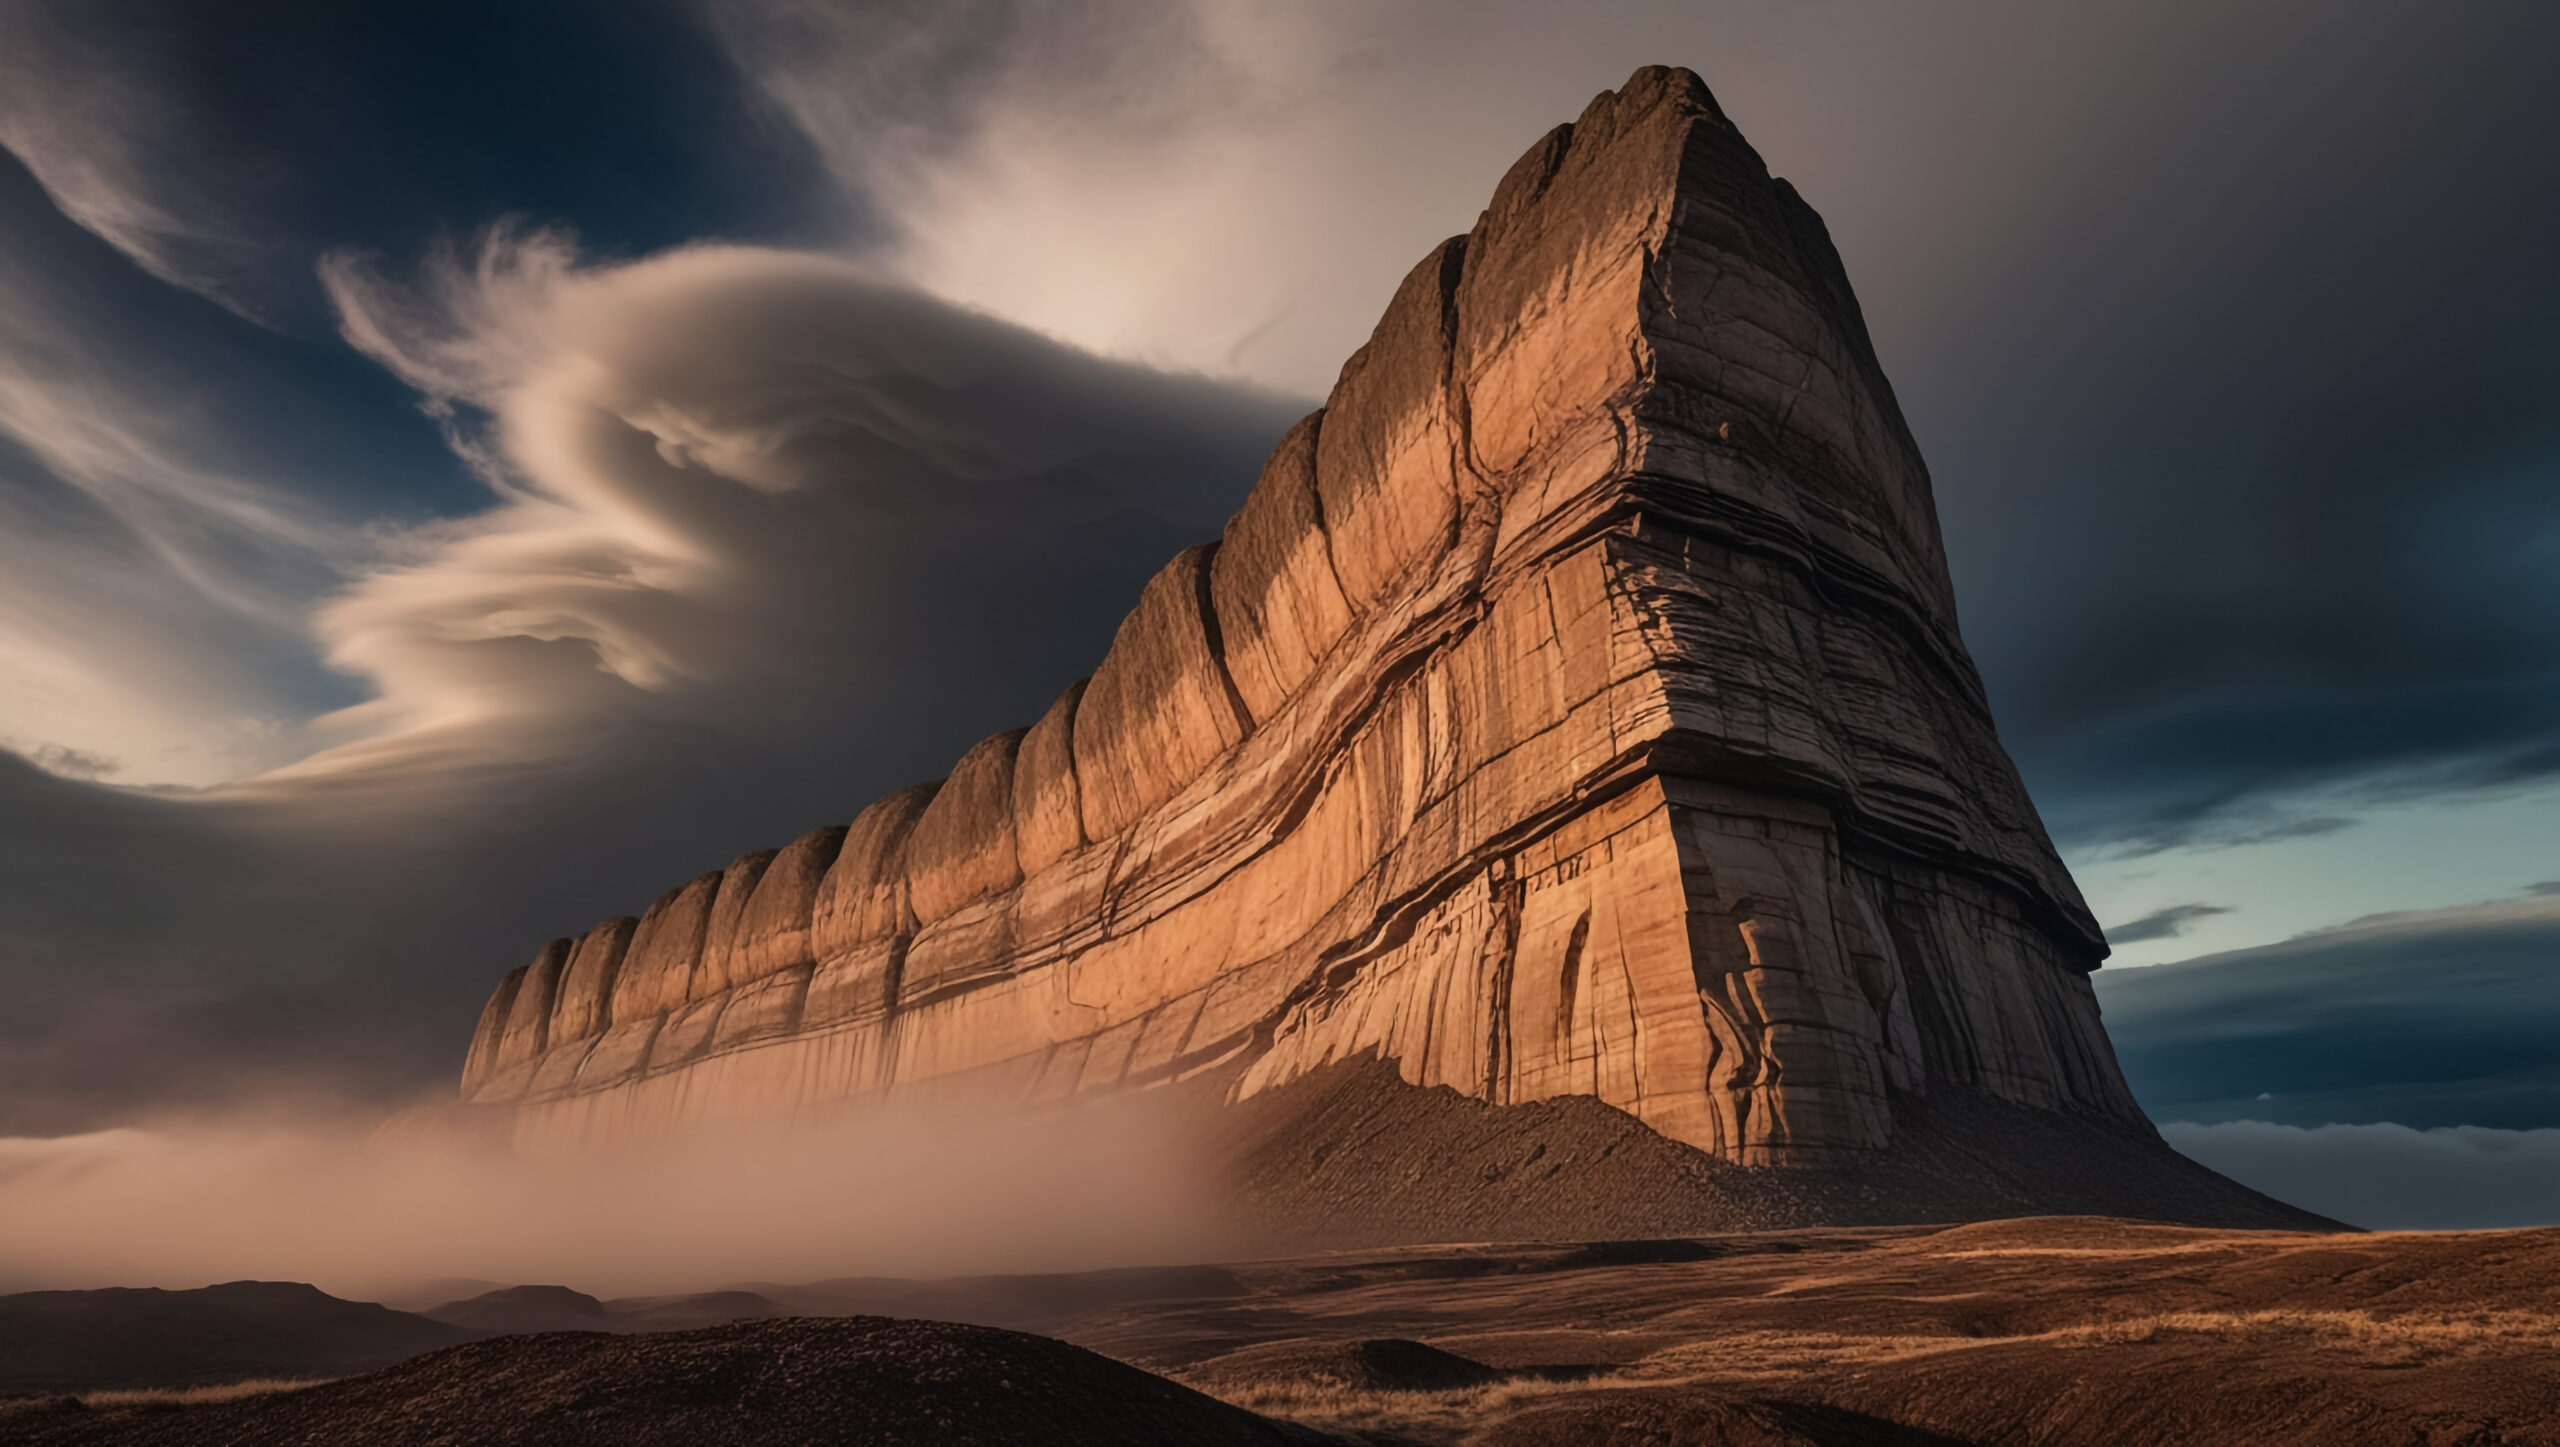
x=1575, y=707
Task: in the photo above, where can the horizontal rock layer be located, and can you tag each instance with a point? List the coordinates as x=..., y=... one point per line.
x=1574, y=707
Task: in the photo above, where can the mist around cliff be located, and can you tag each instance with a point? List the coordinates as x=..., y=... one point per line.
x=415, y=1216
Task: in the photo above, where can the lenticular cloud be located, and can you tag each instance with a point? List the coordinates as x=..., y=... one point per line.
x=709, y=464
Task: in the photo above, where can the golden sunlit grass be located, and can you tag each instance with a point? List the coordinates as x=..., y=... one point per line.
x=1759, y=1355
x=2392, y=1339
x=1336, y=1406
x=2427, y=1333
x=149, y=1397
x=2165, y=1248
x=1773, y=1358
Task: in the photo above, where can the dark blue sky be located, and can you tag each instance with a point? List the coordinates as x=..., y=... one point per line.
x=2232, y=341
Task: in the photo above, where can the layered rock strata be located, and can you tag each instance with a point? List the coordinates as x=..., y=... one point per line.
x=1575, y=707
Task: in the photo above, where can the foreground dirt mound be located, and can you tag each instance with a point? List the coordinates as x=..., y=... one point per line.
x=853, y=1380
x=1686, y=1418
x=1351, y=1156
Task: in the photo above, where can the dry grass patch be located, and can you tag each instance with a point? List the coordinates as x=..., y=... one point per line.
x=2128, y=1250
x=2398, y=1335
x=150, y=1397
x=1332, y=1406
x=1754, y=1356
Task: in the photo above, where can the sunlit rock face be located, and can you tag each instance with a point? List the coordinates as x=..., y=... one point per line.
x=1575, y=707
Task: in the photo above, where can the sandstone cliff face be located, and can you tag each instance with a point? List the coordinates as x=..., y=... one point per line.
x=1574, y=707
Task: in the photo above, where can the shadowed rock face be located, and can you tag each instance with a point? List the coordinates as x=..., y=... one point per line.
x=1574, y=708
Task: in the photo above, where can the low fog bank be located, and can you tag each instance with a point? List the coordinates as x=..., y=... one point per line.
x=414, y=1216
x=2389, y=1177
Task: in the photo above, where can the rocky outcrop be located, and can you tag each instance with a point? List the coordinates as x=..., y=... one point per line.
x=1575, y=707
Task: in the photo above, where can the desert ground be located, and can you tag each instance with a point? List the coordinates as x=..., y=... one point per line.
x=2041, y=1330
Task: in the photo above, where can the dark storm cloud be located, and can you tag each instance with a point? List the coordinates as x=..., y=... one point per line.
x=2269, y=500
x=220, y=146
x=736, y=540
x=2439, y=1018
x=2533, y=766
x=2389, y=1177
x=780, y=537
x=2226, y=818
x=2162, y=924
x=181, y=481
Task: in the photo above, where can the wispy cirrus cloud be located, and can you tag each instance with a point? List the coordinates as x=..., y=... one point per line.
x=116, y=153
x=155, y=577
x=2163, y=923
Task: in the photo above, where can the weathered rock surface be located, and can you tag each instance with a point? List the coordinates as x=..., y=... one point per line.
x=1575, y=708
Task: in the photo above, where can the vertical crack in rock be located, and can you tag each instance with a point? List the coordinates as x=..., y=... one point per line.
x=1569, y=981
x=1502, y=949
x=1574, y=707
x=1217, y=643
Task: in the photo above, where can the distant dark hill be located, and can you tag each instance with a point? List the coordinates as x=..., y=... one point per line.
x=855, y=1380
x=520, y=1309
x=681, y=1313
x=69, y=1341
x=1044, y=1302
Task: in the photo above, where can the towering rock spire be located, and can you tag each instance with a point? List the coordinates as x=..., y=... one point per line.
x=1575, y=707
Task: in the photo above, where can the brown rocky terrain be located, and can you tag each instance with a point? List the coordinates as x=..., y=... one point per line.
x=2048, y=1330
x=2055, y=1330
